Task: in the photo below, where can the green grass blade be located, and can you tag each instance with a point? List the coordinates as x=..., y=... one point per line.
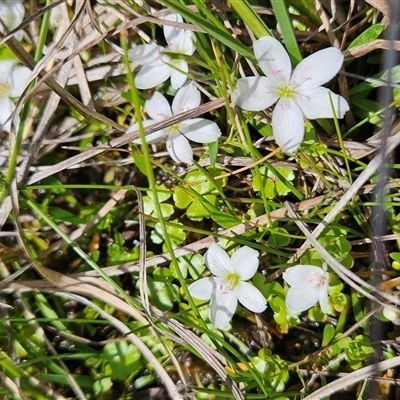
x=220, y=34
x=286, y=26
x=250, y=17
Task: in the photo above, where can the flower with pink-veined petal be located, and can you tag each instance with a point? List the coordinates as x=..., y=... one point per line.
x=157, y=66
x=177, y=136
x=228, y=286
x=298, y=95
x=13, y=80
x=308, y=286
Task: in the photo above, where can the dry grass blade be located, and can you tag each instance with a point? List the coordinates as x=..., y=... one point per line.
x=353, y=378
x=8, y=383
x=121, y=327
x=69, y=287
x=13, y=276
x=216, y=361
x=363, y=49
x=30, y=63
x=231, y=232
x=348, y=276
x=372, y=167
x=212, y=105
x=49, y=109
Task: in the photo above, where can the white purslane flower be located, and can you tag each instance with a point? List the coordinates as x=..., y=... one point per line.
x=177, y=136
x=298, y=95
x=13, y=80
x=228, y=286
x=308, y=286
x=157, y=66
x=11, y=14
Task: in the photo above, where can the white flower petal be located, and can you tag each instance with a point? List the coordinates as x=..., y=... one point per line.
x=170, y=32
x=146, y=54
x=205, y=288
x=222, y=308
x=178, y=73
x=149, y=77
x=187, y=98
x=250, y=297
x=218, y=261
x=57, y=15
x=255, y=93
x=317, y=69
x=200, y=130
x=152, y=138
x=157, y=107
x=179, y=149
x=300, y=299
x=7, y=107
x=155, y=137
x=6, y=68
x=186, y=42
x=288, y=125
x=18, y=80
x=273, y=59
x=323, y=297
x=245, y=262
x=12, y=13
x=316, y=103
x=303, y=276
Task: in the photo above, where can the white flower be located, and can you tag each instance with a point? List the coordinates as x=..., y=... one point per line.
x=11, y=14
x=228, y=286
x=12, y=83
x=199, y=130
x=157, y=66
x=309, y=285
x=299, y=94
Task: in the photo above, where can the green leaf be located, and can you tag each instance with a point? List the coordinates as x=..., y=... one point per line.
x=102, y=386
x=140, y=162
x=182, y=198
x=368, y=35
x=198, y=198
x=149, y=206
x=306, y=9
x=224, y=219
x=199, y=182
x=279, y=237
x=123, y=359
x=358, y=351
x=213, y=150
x=175, y=233
x=59, y=214
x=198, y=209
x=192, y=263
x=395, y=256
x=365, y=108
x=161, y=294
x=328, y=335
x=380, y=80
x=274, y=182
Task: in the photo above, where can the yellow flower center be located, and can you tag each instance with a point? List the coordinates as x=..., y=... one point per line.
x=286, y=92
x=4, y=89
x=232, y=280
x=174, y=130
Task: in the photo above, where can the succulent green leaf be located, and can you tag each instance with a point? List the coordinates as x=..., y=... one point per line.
x=123, y=359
